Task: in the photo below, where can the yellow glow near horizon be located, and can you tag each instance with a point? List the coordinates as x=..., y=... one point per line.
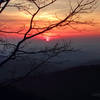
x=47, y=16
x=43, y=16
x=22, y=14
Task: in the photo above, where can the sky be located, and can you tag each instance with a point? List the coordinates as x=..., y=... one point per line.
x=60, y=7
x=84, y=37
x=14, y=19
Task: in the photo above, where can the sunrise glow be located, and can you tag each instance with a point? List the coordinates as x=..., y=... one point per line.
x=47, y=16
x=15, y=21
x=49, y=49
x=25, y=15
x=47, y=39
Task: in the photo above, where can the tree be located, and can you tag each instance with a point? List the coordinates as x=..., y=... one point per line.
x=72, y=17
x=1, y=1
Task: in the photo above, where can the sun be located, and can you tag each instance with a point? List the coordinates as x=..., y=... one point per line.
x=47, y=39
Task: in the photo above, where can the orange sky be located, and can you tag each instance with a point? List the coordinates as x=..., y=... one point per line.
x=14, y=21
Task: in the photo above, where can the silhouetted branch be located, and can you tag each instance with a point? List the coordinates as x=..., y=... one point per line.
x=82, y=6
x=4, y=6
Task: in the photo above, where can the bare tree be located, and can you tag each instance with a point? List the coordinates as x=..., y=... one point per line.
x=81, y=7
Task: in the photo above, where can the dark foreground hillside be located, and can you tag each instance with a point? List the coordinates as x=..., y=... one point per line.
x=80, y=83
